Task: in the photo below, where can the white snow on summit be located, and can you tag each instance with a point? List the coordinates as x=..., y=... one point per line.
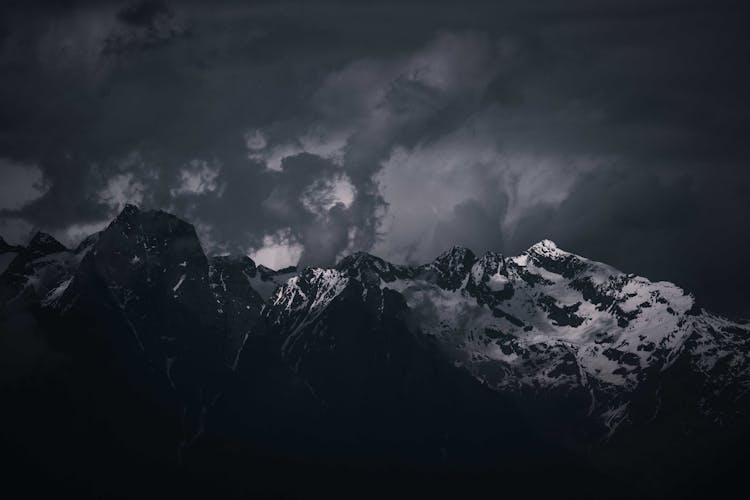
x=546, y=320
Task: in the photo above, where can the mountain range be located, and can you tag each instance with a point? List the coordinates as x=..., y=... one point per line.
x=136, y=365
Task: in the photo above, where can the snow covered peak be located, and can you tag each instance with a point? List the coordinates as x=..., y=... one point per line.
x=303, y=296
x=545, y=323
x=546, y=247
x=491, y=261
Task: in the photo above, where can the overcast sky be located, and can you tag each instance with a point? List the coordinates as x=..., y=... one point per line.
x=304, y=131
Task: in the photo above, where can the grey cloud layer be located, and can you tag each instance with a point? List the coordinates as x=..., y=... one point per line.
x=617, y=129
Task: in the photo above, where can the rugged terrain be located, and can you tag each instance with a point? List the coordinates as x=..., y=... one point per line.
x=137, y=356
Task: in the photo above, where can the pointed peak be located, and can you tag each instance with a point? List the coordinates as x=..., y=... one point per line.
x=457, y=257
x=127, y=212
x=42, y=244
x=458, y=250
x=363, y=261
x=356, y=259
x=46, y=241
x=545, y=243
x=545, y=247
x=156, y=222
x=129, y=209
x=451, y=267
x=455, y=251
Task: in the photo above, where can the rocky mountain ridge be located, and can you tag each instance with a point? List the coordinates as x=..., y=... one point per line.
x=187, y=346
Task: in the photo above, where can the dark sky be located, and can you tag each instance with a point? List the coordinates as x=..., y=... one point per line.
x=309, y=130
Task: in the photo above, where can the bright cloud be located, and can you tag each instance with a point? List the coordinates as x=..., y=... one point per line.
x=120, y=190
x=279, y=250
x=324, y=143
x=423, y=186
x=363, y=106
x=324, y=194
x=198, y=177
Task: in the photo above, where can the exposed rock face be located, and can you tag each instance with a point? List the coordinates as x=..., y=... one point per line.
x=238, y=303
x=548, y=325
x=35, y=270
x=464, y=360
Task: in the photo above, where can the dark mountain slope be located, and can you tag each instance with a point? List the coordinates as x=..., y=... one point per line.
x=138, y=367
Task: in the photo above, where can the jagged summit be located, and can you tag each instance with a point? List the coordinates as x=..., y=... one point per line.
x=456, y=256
x=547, y=321
x=547, y=331
x=35, y=255
x=128, y=214
x=547, y=318
x=545, y=247
x=43, y=244
x=132, y=213
x=362, y=259
x=451, y=267
x=370, y=268
x=128, y=210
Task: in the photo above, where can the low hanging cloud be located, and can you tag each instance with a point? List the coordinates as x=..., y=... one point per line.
x=357, y=116
x=469, y=173
x=278, y=250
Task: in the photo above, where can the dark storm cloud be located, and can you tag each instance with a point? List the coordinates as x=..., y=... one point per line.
x=147, y=24
x=310, y=130
x=144, y=13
